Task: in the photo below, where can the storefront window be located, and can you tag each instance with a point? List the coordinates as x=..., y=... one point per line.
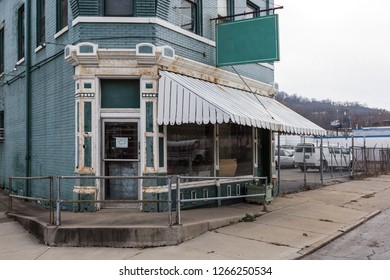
x=235, y=150
x=190, y=150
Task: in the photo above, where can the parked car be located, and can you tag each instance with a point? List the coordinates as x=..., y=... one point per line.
x=308, y=156
x=289, y=148
x=286, y=159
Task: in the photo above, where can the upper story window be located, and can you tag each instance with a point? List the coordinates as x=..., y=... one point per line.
x=191, y=15
x=225, y=8
x=41, y=27
x=21, y=36
x=251, y=8
x=119, y=8
x=1, y=48
x=62, y=14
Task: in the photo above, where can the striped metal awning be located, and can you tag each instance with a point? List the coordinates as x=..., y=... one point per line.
x=182, y=99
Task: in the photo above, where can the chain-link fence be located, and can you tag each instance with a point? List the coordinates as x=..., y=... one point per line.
x=371, y=161
x=325, y=161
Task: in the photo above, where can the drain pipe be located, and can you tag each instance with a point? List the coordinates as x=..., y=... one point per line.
x=27, y=60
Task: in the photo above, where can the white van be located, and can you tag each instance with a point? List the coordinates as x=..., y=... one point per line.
x=308, y=156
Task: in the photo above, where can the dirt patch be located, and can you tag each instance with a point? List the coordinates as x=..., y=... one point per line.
x=369, y=195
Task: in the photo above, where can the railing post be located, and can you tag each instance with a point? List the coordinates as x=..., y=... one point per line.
x=58, y=203
x=10, y=196
x=51, y=201
x=169, y=181
x=219, y=192
x=178, y=216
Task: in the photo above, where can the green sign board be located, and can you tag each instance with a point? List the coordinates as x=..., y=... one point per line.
x=248, y=41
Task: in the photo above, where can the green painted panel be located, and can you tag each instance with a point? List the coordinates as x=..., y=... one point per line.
x=161, y=157
x=248, y=41
x=87, y=152
x=149, y=116
x=149, y=152
x=1, y=119
x=120, y=93
x=87, y=116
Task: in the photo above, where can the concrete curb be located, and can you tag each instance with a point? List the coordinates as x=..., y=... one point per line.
x=120, y=236
x=319, y=244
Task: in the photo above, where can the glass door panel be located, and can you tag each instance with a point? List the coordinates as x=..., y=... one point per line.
x=121, y=158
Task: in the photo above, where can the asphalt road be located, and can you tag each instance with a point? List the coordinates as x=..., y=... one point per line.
x=369, y=241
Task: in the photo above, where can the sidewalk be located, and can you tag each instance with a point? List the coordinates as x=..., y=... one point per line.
x=293, y=226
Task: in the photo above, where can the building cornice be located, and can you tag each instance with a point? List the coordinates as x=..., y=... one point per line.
x=162, y=57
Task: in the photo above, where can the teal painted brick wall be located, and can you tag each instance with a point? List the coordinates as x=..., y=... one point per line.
x=116, y=35
x=146, y=8
x=52, y=127
x=254, y=71
x=186, y=46
x=14, y=122
x=53, y=120
x=52, y=91
x=8, y=14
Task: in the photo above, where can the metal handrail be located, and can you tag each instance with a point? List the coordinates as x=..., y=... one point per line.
x=50, y=199
x=59, y=201
x=55, y=182
x=218, y=198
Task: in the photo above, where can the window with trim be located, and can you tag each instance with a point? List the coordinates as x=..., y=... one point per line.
x=235, y=150
x=62, y=14
x=191, y=15
x=226, y=8
x=251, y=8
x=21, y=36
x=41, y=27
x=2, y=48
x=190, y=150
x=119, y=8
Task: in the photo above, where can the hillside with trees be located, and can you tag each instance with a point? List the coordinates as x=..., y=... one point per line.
x=332, y=115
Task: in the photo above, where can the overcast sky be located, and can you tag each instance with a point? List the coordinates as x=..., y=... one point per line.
x=335, y=49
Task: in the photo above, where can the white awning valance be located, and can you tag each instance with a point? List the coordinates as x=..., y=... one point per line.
x=183, y=99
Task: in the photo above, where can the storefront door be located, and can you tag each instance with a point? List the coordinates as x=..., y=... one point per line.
x=121, y=158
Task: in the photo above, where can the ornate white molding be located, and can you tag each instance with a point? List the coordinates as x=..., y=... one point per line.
x=163, y=57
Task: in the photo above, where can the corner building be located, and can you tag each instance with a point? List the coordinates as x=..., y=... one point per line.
x=130, y=88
